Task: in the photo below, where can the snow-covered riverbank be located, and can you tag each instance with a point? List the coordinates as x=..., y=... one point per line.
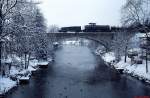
x=135, y=70
x=6, y=84
x=15, y=74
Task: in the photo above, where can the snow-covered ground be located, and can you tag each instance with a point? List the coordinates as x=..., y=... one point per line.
x=109, y=57
x=6, y=84
x=136, y=70
x=42, y=63
x=19, y=73
x=100, y=50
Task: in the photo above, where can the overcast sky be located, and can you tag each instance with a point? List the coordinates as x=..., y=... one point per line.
x=81, y=12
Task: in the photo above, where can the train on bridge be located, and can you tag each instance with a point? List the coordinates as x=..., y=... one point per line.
x=91, y=27
x=71, y=29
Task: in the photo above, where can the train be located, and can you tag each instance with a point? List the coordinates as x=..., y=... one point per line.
x=91, y=27
x=71, y=29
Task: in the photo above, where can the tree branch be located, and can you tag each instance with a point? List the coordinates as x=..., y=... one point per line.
x=7, y=11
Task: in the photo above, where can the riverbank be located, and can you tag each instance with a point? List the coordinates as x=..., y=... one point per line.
x=135, y=70
x=11, y=80
x=6, y=84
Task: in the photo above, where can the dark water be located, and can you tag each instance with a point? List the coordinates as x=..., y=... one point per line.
x=77, y=73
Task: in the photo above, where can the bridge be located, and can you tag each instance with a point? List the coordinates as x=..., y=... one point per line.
x=103, y=38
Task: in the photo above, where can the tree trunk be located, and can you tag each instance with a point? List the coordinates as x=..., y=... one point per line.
x=28, y=60
x=125, y=59
x=25, y=61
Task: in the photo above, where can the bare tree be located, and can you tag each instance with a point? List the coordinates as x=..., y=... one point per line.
x=136, y=14
x=53, y=29
x=120, y=44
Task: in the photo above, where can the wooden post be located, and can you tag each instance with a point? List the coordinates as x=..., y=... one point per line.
x=125, y=59
x=25, y=60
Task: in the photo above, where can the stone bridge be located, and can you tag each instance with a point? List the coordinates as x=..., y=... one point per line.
x=103, y=38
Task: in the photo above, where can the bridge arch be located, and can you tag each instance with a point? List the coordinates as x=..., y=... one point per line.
x=105, y=44
x=102, y=38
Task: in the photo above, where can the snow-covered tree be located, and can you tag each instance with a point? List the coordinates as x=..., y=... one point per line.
x=53, y=29
x=120, y=43
x=40, y=38
x=136, y=15
x=23, y=30
x=7, y=9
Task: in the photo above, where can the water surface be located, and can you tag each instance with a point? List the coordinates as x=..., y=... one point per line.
x=77, y=73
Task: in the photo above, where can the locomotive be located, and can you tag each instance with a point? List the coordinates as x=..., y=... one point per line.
x=92, y=27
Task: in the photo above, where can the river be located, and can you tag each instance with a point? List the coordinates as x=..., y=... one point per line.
x=78, y=73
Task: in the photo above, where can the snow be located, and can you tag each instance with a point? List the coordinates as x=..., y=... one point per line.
x=33, y=63
x=134, y=50
x=121, y=64
x=6, y=84
x=33, y=66
x=12, y=58
x=109, y=57
x=9, y=60
x=13, y=71
x=18, y=72
x=24, y=78
x=43, y=63
x=24, y=72
x=135, y=40
x=135, y=69
x=31, y=69
x=55, y=43
x=100, y=50
x=141, y=35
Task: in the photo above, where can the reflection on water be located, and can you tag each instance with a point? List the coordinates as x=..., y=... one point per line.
x=77, y=73
x=75, y=58
x=76, y=42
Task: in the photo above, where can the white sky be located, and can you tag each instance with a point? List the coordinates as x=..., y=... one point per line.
x=81, y=12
